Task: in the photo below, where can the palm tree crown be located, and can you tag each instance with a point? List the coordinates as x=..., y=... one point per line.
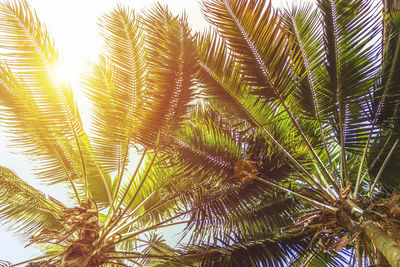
x=314, y=88
x=141, y=90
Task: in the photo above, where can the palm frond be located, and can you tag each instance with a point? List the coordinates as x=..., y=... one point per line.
x=30, y=52
x=280, y=251
x=171, y=68
x=28, y=209
x=110, y=134
x=220, y=78
x=222, y=81
x=305, y=33
x=237, y=211
x=385, y=93
x=257, y=40
x=252, y=31
x=115, y=85
x=377, y=155
x=351, y=62
x=205, y=146
x=41, y=112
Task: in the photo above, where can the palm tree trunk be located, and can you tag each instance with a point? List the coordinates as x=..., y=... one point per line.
x=381, y=260
x=391, y=5
x=388, y=7
x=384, y=243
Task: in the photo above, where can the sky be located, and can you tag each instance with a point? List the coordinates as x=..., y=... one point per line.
x=73, y=24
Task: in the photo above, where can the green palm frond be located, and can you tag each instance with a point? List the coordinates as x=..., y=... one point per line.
x=42, y=113
x=257, y=251
x=385, y=93
x=389, y=180
x=171, y=62
x=259, y=47
x=110, y=131
x=247, y=210
x=230, y=96
x=205, y=146
x=304, y=30
x=384, y=152
x=115, y=86
x=351, y=66
x=125, y=47
x=223, y=83
x=28, y=209
x=252, y=31
x=220, y=75
x=305, y=33
x=221, y=80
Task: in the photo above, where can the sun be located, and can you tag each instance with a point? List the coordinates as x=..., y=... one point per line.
x=62, y=73
x=67, y=74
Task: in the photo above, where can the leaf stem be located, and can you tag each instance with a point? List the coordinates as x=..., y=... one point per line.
x=304, y=198
x=383, y=166
x=68, y=176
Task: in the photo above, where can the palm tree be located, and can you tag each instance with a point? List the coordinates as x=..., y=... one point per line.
x=141, y=90
x=289, y=159
x=305, y=104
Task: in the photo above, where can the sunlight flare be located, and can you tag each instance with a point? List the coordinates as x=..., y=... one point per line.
x=65, y=73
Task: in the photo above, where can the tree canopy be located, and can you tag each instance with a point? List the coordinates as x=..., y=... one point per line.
x=272, y=138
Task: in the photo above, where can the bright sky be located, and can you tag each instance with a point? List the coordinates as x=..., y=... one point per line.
x=73, y=24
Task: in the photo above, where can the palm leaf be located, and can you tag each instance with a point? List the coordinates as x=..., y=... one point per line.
x=44, y=111
x=27, y=208
x=252, y=31
x=115, y=85
x=305, y=33
x=281, y=251
x=351, y=67
x=302, y=26
x=385, y=104
x=385, y=92
x=379, y=151
x=171, y=67
x=205, y=146
x=233, y=100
